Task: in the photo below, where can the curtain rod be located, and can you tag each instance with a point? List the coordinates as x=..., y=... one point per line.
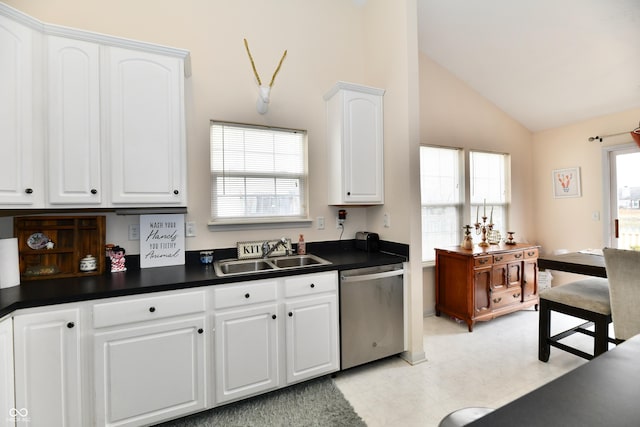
x=600, y=138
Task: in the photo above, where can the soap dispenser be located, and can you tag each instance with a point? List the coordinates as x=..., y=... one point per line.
x=302, y=247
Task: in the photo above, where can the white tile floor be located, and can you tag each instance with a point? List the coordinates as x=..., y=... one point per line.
x=489, y=367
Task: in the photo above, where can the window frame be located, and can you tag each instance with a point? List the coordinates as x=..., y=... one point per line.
x=266, y=221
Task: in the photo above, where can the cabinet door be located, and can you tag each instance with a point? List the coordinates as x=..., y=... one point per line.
x=20, y=174
x=73, y=121
x=246, y=352
x=145, y=374
x=530, y=280
x=362, y=148
x=48, y=367
x=482, y=290
x=145, y=99
x=8, y=411
x=311, y=337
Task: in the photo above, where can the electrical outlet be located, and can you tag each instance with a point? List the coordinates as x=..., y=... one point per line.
x=320, y=223
x=595, y=215
x=386, y=220
x=134, y=231
x=339, y=223
x=190, y=229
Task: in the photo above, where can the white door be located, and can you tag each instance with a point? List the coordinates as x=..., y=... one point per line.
x=311, y=337
x=246, y=352
x=144, y=374
x=73, y=121
x=9, y=414
x=48, y=368
x=146, y=128
x=622, y=225
x=20, y=174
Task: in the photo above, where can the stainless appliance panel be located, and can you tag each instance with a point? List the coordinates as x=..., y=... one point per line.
x=371, y=314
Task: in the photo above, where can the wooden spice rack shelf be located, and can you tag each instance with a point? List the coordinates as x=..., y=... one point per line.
x=70, y=239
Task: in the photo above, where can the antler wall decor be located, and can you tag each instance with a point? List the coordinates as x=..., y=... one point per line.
x=264, y=91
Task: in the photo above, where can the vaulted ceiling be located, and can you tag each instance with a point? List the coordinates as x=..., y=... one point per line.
x=546, y=63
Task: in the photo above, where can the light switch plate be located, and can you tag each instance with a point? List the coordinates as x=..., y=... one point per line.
x=190, y=229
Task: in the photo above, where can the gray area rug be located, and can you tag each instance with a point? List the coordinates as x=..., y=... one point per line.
x=313, y=403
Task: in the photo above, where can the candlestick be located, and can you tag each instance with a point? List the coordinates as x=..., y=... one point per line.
x=491, y=217
x=484, y=213
x=477, y=213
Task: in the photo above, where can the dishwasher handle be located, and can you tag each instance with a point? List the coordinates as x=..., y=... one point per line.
x=374, y=276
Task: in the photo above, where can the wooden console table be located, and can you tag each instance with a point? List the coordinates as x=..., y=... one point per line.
x=483, y=283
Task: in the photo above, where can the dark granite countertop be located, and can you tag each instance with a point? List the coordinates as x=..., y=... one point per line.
x=134, y=281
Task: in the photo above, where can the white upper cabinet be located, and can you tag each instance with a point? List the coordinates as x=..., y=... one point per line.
x=355, y=144
x=73, y=118
x=89, y=120
x=146, y=128
x=18, y=169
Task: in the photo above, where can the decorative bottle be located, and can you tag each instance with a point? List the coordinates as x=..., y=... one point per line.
x=302, y=247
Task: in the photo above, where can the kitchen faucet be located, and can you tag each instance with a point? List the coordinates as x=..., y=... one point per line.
x=266, y=250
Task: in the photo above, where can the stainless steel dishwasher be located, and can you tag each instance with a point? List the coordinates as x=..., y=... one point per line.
x=371, y=314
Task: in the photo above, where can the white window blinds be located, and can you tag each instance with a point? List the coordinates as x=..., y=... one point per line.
x=257, y=172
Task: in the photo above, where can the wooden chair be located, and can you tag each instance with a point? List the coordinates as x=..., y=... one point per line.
x=586, y=299
x=623, y=272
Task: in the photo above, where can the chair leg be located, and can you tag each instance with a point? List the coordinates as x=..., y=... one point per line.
x=601, y=338
x=544, y=332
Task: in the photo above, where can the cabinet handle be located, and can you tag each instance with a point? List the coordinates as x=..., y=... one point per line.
x=28, y=190
x=497, y=300
x=498, y=258
x=290, y=314
x=94, y=191
x=247, y=295
x=176, y=192
x=274, y=316
x=483, y=261
x=152, y=309
x=313, y=285
x=517, y=255
x=70, y=325
x=200, y=330
x=516, y=295
x=532, y=253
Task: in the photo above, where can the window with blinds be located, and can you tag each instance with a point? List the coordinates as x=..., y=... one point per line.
x=257, y=173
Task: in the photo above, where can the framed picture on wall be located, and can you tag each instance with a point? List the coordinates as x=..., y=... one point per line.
x=566, y=182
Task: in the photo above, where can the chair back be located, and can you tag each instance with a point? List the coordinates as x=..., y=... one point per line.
x=623, y=273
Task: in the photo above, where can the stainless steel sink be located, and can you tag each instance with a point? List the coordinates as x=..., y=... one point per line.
x=225, y=268
x=298, y=261
x=237, y=266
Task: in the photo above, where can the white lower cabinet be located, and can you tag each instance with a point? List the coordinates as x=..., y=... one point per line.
x=8, y=412
x=262, y=326
x=149, y=358
x=312, y=337
x=48, y=367
x=146, y=374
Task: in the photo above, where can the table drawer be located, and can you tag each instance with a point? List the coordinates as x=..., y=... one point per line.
x=508, y=257
x=147, y=308
x=310, y=284
x=531, y=253
x=482, y=261
x=241, y=294
x=503, y=299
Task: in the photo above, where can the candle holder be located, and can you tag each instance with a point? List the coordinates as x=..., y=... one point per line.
x=467, y=242
x=482, y=229
x=510, y=240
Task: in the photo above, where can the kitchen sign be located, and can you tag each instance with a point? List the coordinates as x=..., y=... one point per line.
x=161, y=240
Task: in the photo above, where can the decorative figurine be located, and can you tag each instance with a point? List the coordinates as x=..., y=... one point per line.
x=510, y=240
x=117, y=259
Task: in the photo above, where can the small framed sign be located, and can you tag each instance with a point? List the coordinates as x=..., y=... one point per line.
x=161, y=240
x=566, y=182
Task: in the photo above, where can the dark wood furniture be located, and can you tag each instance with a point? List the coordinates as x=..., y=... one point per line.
x=602, y=392
x=72, y=237
x=483, y=283
x=574, y=262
